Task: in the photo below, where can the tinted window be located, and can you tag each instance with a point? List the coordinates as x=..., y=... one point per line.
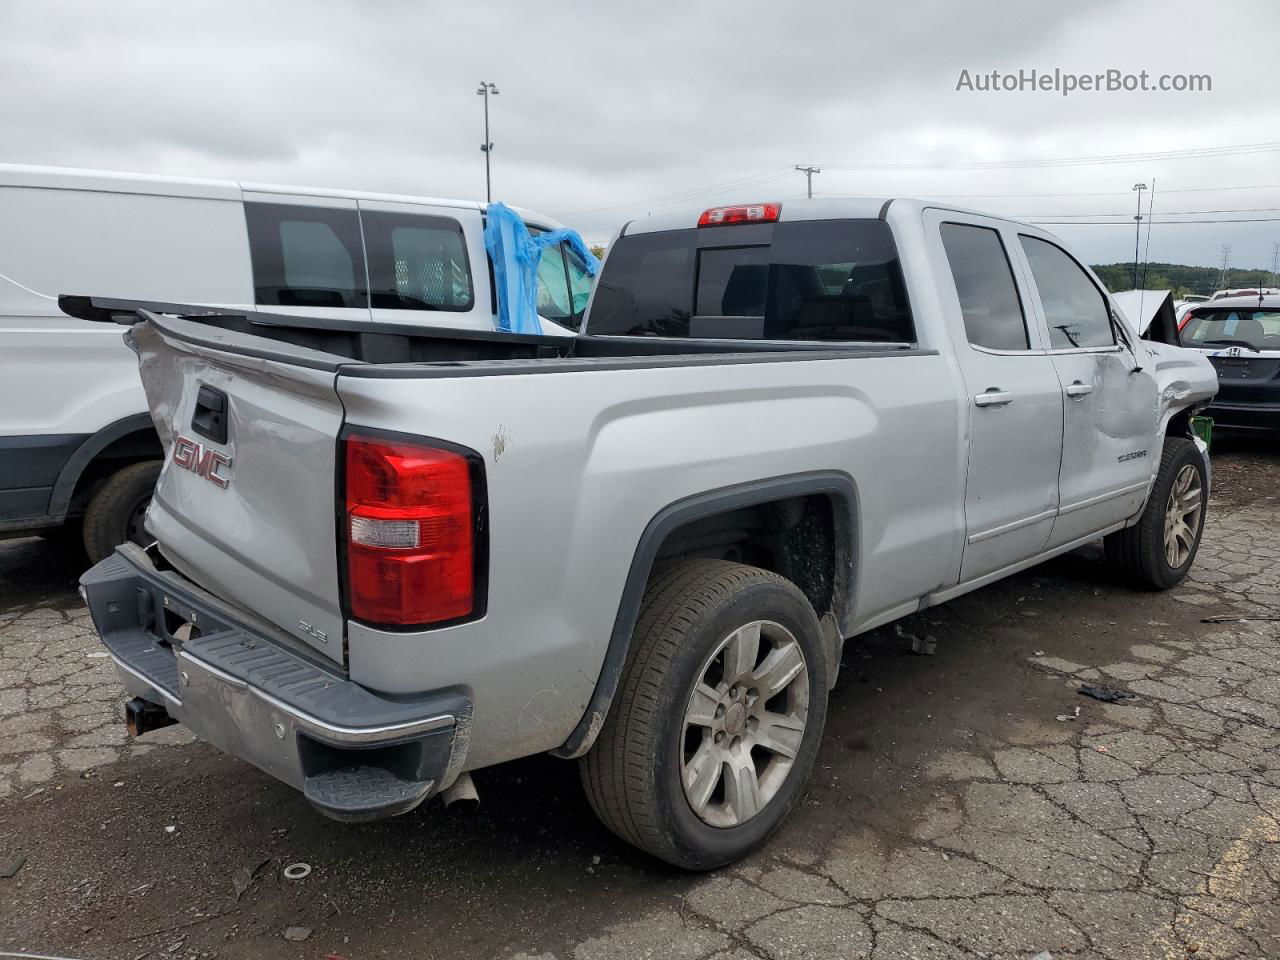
x=989, y=301
x=806, y=280
x=416, y=262
x=1074, y=308
x=1259, y=329
x=306, y=256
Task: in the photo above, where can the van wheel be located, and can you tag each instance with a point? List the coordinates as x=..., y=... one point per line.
x=1157, y=552
x=717, y=718
x=115, y=514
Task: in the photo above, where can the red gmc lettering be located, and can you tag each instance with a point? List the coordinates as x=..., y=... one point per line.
x=201, y=460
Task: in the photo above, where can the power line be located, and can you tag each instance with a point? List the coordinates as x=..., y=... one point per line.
x=1187, y=154
x=1170, y=213
x=691, y=194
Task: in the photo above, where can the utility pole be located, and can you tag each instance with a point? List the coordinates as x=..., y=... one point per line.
x=1137, y=231
x=486, y=148
x=1275, y=264
x=1225, y=272
x=808, y=176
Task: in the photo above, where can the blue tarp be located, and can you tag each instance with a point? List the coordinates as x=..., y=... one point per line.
x=515, y=254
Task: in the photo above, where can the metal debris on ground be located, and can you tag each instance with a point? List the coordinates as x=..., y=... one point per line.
x=297, y=934
x=924, y=646
x=10, y=867
x=1069, y=716
x=1107, y=694
x=242, y=879
x=297, y=871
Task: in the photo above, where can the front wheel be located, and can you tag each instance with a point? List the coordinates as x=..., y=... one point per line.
x=1157, y=552
x=717, y=718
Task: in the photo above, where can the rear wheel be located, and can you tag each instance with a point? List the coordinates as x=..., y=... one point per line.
x=1158, y=551
x=115, y=514
x=717, y=718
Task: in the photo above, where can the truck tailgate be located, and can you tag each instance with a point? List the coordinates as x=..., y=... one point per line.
x=245, y=504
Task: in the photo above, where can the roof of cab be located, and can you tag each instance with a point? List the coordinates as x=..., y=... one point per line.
x=113, y=181
x=823, y=208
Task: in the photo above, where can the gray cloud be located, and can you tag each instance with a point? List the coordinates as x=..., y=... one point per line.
x=605, y=107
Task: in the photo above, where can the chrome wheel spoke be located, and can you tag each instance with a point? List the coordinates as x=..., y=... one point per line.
x=779, y=669
x=780, y=734
x=702, y=706
x=702, y=774
x=742, y=788
x=742, y=652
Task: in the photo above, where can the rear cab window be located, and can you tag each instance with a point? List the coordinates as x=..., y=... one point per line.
x=809, y=280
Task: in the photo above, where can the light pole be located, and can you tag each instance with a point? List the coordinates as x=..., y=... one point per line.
x=1137, y=230
x=486, y=148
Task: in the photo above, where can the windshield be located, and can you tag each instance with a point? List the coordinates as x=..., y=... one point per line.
x=1221, y=327
x=804, y=280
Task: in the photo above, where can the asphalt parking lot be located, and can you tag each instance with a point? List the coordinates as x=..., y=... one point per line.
x=961, y=807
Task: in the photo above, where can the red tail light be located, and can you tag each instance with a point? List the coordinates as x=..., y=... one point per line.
x=411, y=532
x=742, y=213
x=1185, y=317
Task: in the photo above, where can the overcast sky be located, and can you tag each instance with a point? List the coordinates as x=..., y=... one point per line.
x=608, y=111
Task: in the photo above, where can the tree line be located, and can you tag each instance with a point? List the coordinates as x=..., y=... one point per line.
x=1178, y=277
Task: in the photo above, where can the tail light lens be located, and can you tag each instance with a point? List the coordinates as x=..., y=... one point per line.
x=1185, y=318
x=411, y=532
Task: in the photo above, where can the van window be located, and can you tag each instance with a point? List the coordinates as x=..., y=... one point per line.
x=564, y=286
x=1075, y=310
x=306, y=256
x=989, y=301
x=417, y=262
x=834, y=280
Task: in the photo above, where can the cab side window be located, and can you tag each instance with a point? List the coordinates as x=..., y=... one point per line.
x=306, y=256
x=1075, y=310
x=989, y=303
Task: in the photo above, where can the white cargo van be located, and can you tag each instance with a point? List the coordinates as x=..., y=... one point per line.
x=78, y=451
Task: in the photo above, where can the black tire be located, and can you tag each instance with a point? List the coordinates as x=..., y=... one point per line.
x=114, y=515
x=632, y=774
x=1137, y=553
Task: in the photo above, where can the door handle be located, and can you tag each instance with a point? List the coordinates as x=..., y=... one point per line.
x=1078, y=390
x=994, y=397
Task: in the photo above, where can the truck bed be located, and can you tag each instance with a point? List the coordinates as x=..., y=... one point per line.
x=399, y=350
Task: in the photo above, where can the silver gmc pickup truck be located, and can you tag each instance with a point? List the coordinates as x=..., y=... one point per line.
x=386, y=556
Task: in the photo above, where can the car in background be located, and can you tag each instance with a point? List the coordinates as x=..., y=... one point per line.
x=79, y=454
x=1241, y=336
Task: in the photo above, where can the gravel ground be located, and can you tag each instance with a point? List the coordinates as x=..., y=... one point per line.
x=960, y=807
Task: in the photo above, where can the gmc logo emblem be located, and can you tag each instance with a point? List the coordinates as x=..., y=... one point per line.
x=200, y=460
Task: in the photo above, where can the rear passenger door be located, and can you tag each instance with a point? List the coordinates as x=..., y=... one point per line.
x=307, y=255
x=427, y=264
x=1109, y=444
x=1012, y=396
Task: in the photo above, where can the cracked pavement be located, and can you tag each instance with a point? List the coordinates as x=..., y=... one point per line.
x=961, y=806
